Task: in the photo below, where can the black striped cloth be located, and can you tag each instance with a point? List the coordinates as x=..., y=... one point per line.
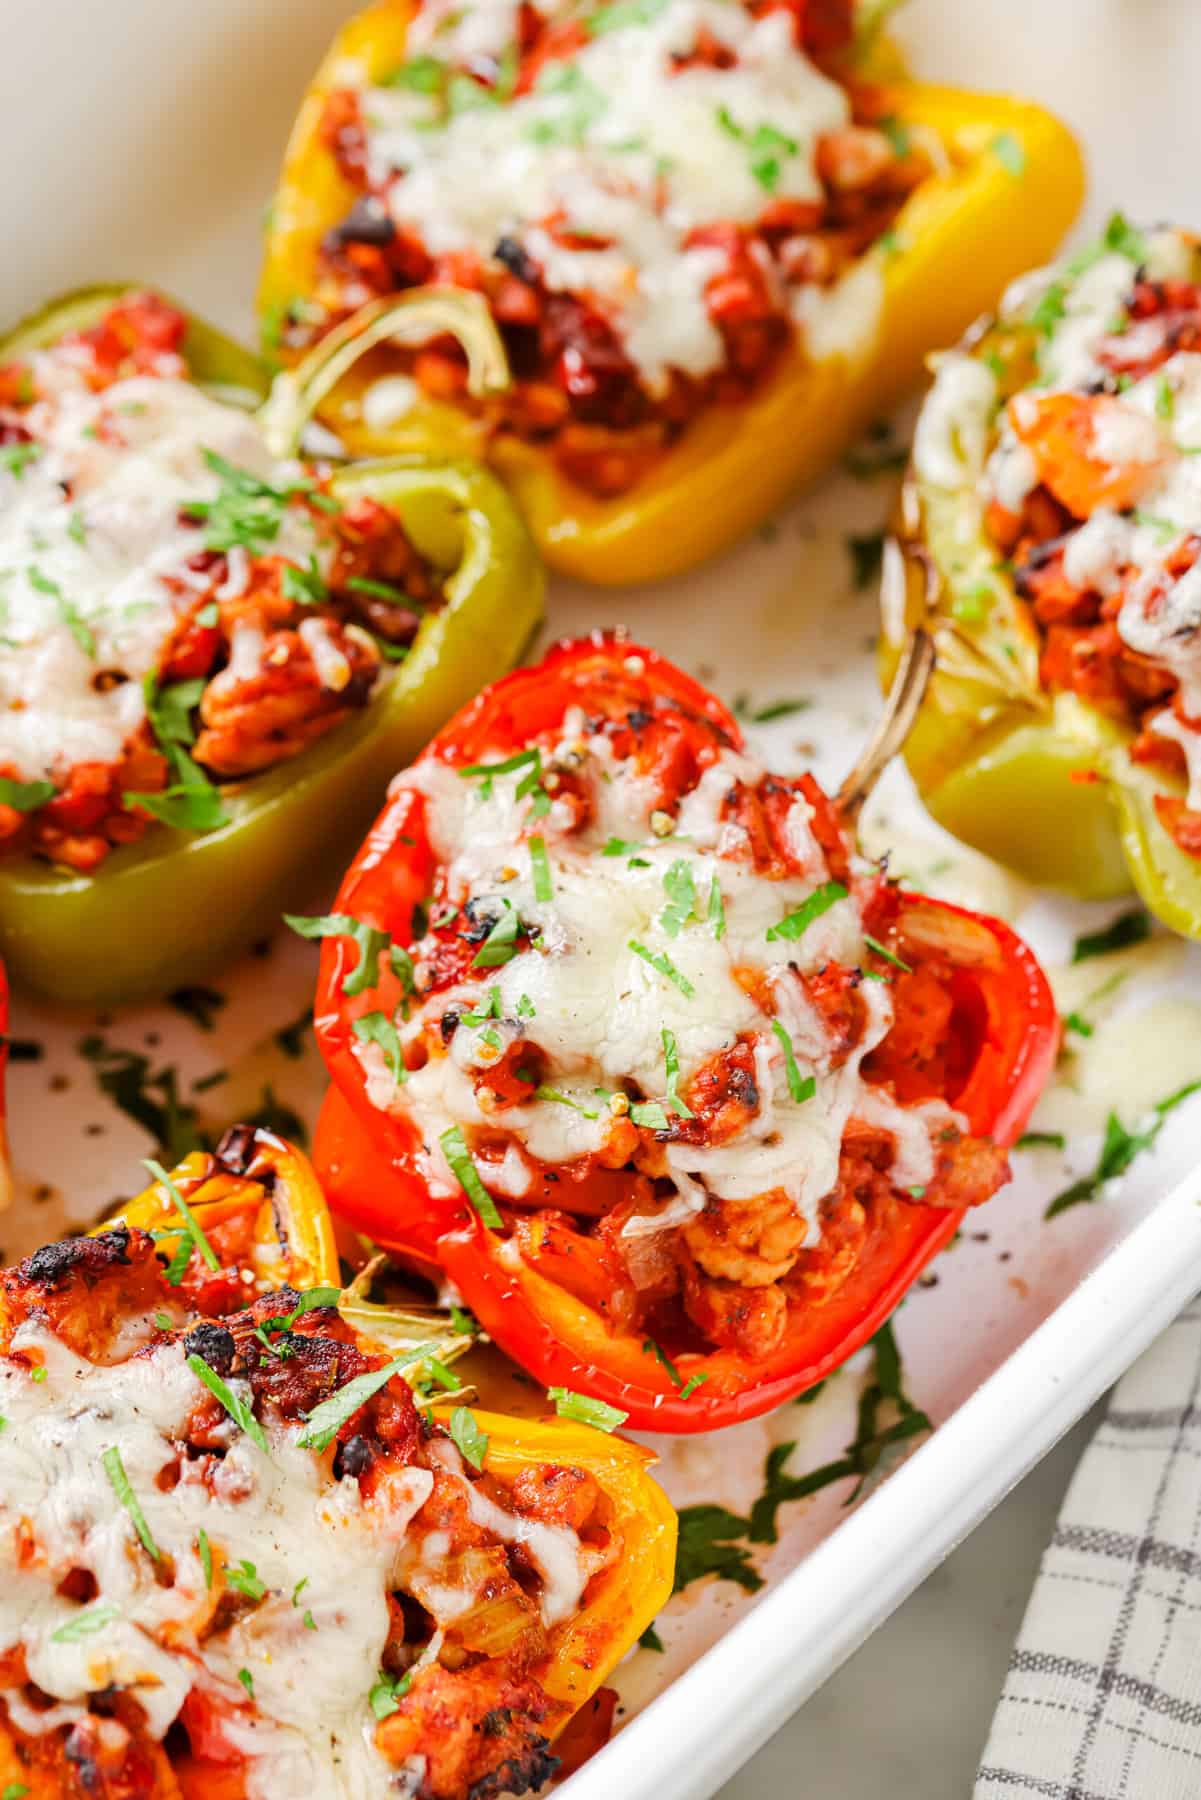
x=1103, y=1696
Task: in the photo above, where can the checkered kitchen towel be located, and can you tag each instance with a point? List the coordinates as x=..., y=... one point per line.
x=1103, y=1696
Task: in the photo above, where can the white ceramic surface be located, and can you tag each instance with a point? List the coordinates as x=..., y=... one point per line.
x=142, y=140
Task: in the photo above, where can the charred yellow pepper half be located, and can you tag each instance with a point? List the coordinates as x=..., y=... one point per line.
x=1010, y=183
x=260, y=1180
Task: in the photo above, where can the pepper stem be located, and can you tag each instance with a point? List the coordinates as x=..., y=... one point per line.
x=414, y=317
x=896, y=722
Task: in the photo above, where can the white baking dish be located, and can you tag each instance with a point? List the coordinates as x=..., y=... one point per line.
x=147, y=146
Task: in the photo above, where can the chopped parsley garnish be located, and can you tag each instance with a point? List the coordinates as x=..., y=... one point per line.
x=650, y=1639
x=616, y=846
x=867, y=556
x=716, y=911
x=304, y=586
x=369, y=939
x=797, y=923
x=1118, y=1150
x=327, y=1419
x=1164, y=529
x=500, y=945
x=455, y=1150
x=879, y=454
x=246, y=511
x=766, y=145
x=540, y=867
x=687, y=1388
x=470, y=1441
x=244, y=1579
x=465, y=1323
x=85, y=1624
x=620, y=14
x=1165, y=398
x=1076, y=1022
x=401, y=964
x=68, y=612
x=194, y=1238
x=530, y=785
x=650, y=1348
x=148, y=1096
x=1041, y=1140
x=239, y=1410
x=649, y=1115
x=1009, y=152
x=16, y=458
x=205, y=1551
x=586, y=1411
x=119, y=1481
x=559, y=1098
x=708, y=1545
x=200, y=1004
x=489, y=1010
x=671, y=1058
x=799, y=1088
x=1122, y=236
x=420, y=75
x=1128, y=928
x=778, y=709
x=882, y=1397
x=681, y=895
x=378, y=1028
x=209, y=615
x=25, y=796
x=883, y=950
x=191, y=802
x=247, y=1680
x=385, y=1697
x=897, y=133
x=1049, y=309
x=526, y=1008
x=380, y=590
x=663, y=966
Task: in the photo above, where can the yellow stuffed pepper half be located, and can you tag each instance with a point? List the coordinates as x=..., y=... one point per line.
x=251, y=1544
x=717, y=239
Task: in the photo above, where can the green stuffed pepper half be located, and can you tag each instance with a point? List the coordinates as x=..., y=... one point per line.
x=1050, y=538
x=214, y=653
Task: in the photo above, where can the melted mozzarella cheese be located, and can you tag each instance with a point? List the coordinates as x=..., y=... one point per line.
x=89, y=531
x=953, y=428
x=615, y=975
x=622, y=145
x=311, y=1730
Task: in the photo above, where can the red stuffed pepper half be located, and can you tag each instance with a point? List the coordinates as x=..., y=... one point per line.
x=630, y=1041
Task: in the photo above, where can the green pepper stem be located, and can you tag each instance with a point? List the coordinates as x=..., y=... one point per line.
x=414, y=317
x=896, y=722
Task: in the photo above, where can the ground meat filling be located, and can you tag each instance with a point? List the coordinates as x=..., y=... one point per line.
x=457, y=1706
x=606, y=385
x=158, y=646
x=696, y=1119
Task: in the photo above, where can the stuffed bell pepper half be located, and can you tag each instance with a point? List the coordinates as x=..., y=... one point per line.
x=629, y=1040
x=248, y=1553
x=214, y=654
x=716, y=242
x=1049, y=540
